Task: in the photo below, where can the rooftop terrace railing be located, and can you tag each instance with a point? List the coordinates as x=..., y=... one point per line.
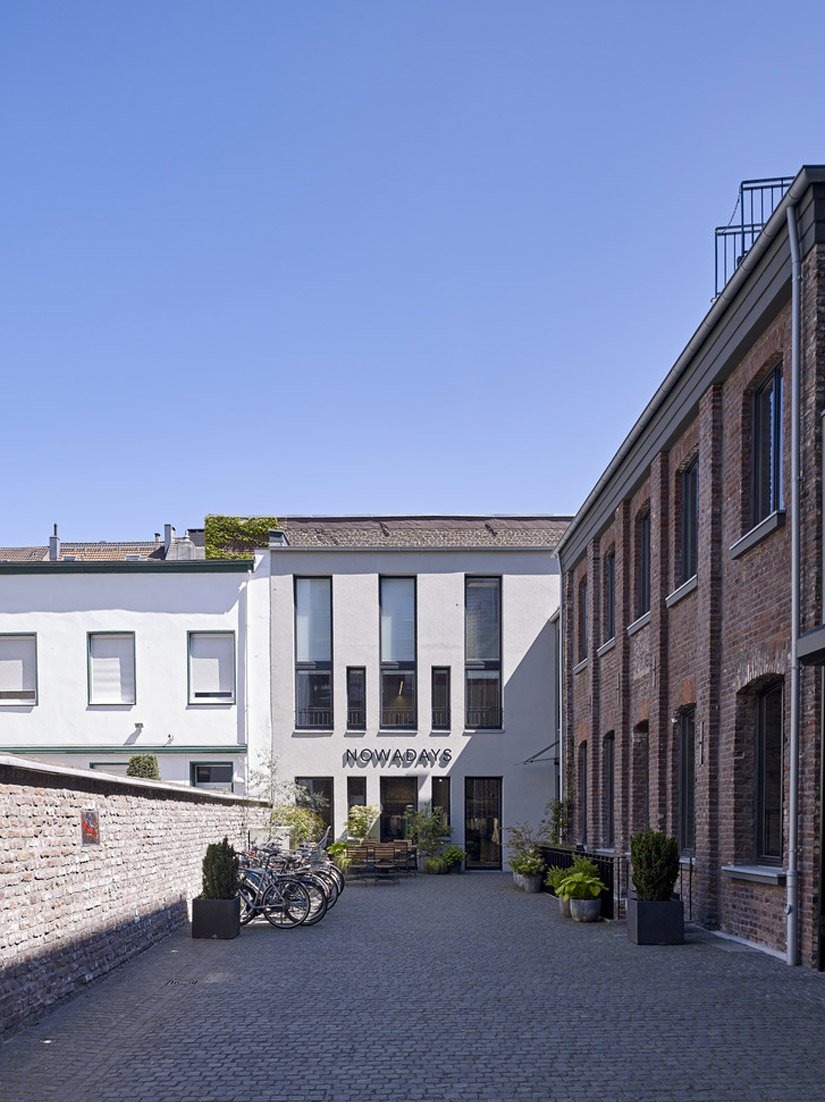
x=757, y=201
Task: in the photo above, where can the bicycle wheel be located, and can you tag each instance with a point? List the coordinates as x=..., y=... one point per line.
x=337, y=876
x=318, y=900
x=330, y=885
x=286, y=904
x=247, y=903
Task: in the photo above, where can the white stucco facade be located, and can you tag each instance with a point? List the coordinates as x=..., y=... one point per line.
x=161, y=607
x=529, y=598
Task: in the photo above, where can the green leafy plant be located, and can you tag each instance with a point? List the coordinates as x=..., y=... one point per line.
x=435, y=865
x=524, y=839
x=554, y=877
x=338, y=855
x=220, y=871
x=654, y=857
x=304, y=823
x=427, y=829
x=236, y=537
x=361, y=819
x=580, y=885
x=528, y=864
x=559, y=812
x=143, y=765
x=452, y=856
x=555, y=874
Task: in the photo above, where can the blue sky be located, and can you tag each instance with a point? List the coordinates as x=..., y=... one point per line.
x=428, y=256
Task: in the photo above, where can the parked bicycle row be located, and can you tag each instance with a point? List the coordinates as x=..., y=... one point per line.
x=288, y=889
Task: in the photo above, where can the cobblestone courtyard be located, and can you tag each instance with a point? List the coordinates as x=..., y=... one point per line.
x=438, y=988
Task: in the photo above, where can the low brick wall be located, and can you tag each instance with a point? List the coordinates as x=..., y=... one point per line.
x=70, y=912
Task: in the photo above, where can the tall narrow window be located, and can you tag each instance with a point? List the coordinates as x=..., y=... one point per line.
x=482, y=652
x=356, y=792
x=687, y=782
x=18, y=669
x=313, y=652
x=356, y=698
x=111, y=668
x=211, y=667
x=582, y=779
x=441, y=698
x=769, y=777
x=609, y=596
x=582, y=649
x=441, y=796
x=609, y=789
x=688, y=522
x=398, y=645
x=643, y=564
x=766, y=443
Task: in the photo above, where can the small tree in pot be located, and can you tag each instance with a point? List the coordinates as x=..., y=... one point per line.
x=654, y=917
x=216, y=913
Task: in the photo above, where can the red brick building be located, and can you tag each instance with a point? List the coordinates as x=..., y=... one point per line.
x=681, y=631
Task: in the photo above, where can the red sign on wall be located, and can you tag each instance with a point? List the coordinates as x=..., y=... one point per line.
x=90, y=827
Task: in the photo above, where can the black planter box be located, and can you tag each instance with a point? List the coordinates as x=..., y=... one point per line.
x=660, y=923
x=216, y=918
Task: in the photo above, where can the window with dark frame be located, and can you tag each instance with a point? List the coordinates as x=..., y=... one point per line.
x=482, y=653
x=583, y=642
x=211, y=667
x=608, y=763
x=217, y=776
x=441, y=698
x=319, y=796
x=397, y=599
x=582, y=785
x=441, y=796
x=769, y=776
x=356, y=698
x=766, y=448
x=313, y=653
x=356, y=792
x=609, y=596
x=689, y=523
x=643, y=564
x=687, y=782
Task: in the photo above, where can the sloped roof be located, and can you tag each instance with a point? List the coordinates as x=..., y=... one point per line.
x=424, y=531
x=102, y=551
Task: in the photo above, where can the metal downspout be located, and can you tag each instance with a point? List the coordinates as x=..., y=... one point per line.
x=792, y=900
x=560, y=687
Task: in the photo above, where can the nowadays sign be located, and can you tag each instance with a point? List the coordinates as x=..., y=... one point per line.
x=398, y=757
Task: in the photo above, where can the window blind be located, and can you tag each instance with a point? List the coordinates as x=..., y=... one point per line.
x=111, y=669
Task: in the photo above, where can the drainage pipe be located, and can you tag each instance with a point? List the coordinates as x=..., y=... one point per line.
x=792, y=900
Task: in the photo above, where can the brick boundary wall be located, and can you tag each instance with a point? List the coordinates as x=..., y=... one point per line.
x=71, y=912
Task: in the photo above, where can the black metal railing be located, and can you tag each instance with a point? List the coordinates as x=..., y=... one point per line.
x=313, y=717
x=441, y=719
x=757, y=201
x=400, y=720
x=606, y=865
x=483, y=717
x=356, y=719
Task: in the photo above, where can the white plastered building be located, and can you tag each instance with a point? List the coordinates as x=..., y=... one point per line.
x=414, y=661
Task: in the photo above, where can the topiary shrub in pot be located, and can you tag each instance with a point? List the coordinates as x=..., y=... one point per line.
x=216, y=913
x=654, y=916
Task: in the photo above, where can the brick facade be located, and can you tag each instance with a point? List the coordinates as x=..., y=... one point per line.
x=714, y=645
x=70, y=912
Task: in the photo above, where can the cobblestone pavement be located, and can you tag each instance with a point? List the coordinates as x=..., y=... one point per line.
x=438, y=988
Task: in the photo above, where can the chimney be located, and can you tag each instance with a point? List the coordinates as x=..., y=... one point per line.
x=277, y=539
x=54, y=546
x=157, y=538
x=168, y=537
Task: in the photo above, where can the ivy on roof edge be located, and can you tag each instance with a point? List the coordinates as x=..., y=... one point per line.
x=236, y=537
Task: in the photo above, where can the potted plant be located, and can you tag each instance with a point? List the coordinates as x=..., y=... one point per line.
x=654, y=915
x=553, y=880
x=338, y=855
x=216, y=913
x=527, y=869
x=435, y=865
x=453, y=857
x=583, y=889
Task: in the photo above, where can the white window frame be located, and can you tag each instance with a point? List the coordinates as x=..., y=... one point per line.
x=200, y=700
x=26, y=701
x=90, y=679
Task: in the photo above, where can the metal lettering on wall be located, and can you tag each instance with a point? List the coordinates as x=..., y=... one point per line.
x=90, y=827
x=397, y=757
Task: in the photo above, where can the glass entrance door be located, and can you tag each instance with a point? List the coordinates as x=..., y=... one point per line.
x=397, y=794
x=482, y=822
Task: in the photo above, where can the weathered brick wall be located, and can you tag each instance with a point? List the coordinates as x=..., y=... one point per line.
x=71, y=912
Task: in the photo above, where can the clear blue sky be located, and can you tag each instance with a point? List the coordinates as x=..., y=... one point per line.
x=428, y=256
